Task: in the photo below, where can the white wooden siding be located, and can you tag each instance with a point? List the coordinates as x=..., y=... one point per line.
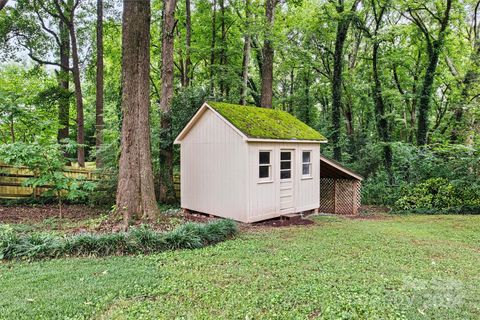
x=214, y=169
x=264, y=199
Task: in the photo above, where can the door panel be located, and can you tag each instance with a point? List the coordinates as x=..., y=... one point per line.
x=286, y=181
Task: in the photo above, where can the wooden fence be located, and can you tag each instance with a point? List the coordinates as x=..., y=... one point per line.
x=12, y=179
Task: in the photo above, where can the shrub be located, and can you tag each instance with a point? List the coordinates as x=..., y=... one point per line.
x=438, y=195
x=14, y=245
x=46, y=161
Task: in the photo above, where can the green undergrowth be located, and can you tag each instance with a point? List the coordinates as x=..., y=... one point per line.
x=15, y=244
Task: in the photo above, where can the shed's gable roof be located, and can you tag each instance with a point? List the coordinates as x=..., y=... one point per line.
x=263, y=123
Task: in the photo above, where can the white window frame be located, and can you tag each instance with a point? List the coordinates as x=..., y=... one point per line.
x=269, y=165
x=309, y=163
x=292, y=154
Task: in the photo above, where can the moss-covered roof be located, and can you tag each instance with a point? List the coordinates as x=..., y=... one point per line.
x=265, y=123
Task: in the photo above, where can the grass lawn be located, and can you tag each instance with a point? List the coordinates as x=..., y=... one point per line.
x=399, y=267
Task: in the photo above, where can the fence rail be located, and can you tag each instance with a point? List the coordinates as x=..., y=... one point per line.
x=12, y=180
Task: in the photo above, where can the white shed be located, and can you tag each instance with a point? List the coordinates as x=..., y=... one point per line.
x=248, y=163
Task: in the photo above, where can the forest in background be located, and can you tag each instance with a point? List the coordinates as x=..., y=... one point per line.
x=393, y=85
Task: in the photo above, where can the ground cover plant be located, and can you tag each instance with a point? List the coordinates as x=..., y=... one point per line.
x=19, y=245
x=373, y=267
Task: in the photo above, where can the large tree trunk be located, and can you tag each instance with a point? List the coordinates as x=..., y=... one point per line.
x=434, y=50
x=63, y=83
x=99, y=84
x=267, y=57
x=188, y=37
x=167, y=190
x=342, y=31
x=135, y=192
x=212, y=48
x=246, y=55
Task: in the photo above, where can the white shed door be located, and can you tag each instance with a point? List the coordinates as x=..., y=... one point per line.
x=286, y=181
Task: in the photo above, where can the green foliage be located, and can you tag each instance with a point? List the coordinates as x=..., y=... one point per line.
x=47, y=164
x=138, y=240
x=437, y=193
x=266, y=123
x=455, y=168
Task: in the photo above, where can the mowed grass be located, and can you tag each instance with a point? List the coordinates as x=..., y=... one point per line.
x=412, y=267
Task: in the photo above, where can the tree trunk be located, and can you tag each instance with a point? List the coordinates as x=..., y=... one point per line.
x=223, y=53
x=290, y=94
x=268, y=55
x=135, y=192
x=341, y=36
x=188, y=37
x=471, y=77
x=167, y=190
x=212, y=48
x=434, y=51
x=246, y=55
x=381, y=120
x=99, y=84
x=78, y=95
x=63, y=84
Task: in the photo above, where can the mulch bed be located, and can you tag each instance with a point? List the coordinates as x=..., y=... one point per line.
x=31, y=214
x=38, y=213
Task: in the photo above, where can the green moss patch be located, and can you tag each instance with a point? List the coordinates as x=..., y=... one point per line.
x=266, y=123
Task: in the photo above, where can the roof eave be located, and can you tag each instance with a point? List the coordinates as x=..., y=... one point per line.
x=342, y=168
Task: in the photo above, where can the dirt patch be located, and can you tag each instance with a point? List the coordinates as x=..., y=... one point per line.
x=372, y=210
x=38, y=213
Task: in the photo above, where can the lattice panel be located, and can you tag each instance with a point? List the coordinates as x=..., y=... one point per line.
x=327, y=196
x=340, y=196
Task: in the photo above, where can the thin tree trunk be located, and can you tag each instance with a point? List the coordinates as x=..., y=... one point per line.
x=63, y=84
x=78, y=96
x=381, y=120
x=434, y=50
x=471, y=77
x=188, y=37
x=67, y=15
x=342, y=31
x=268, y=55
x=12, y=128
x=223, y=53
x=167, y=190
x=99, y=84
x=290, y=96
x=212, y=48
x=246, y=55
x=135, y=192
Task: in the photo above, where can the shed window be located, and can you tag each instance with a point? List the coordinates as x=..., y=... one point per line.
x=285, y=165
x=306, y=163
x=264, y=165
